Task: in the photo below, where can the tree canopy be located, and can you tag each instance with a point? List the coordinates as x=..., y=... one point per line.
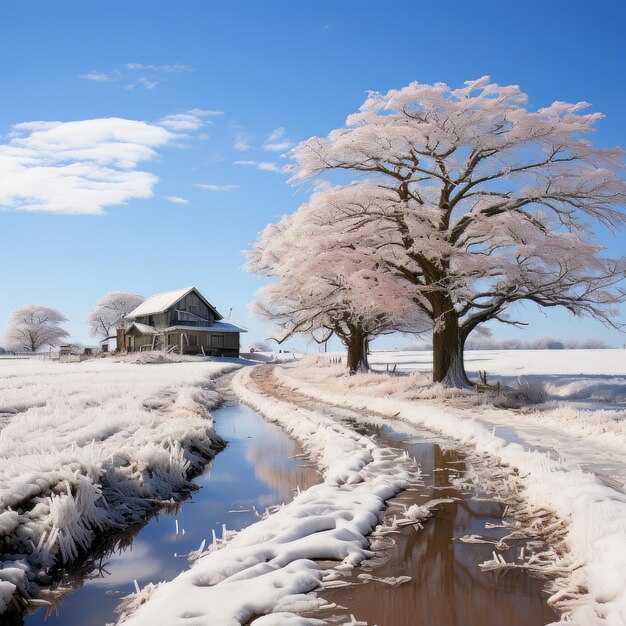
x=476, y=201
x=110, y=311
x=33, y=327
x=325, y=280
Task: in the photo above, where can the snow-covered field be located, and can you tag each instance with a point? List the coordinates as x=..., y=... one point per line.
x=591, y=562
x=269, y=567
x=577, y=394
x=517, y=362
x=89, y=446
x=591, y=378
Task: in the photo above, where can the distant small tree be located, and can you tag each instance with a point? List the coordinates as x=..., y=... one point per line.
x=110, y=311
x=33, y=327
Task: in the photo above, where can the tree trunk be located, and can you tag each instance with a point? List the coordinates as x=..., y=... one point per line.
x=357, y=344
x=448, y=345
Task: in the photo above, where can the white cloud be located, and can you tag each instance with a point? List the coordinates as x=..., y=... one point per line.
x=149, y=83
x=181, y=121
x=127, y=565
x=277, y=141
x=217, y=187
x=138, y=74
x=206, y=112
x=267, y=166
x=242, y=142
x=176, y=200
x=100, y=77
x=78, y=167
x=189, y=120
x=176, y=68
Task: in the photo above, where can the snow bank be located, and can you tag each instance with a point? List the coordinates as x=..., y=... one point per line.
x=610, y=389
x=592, y=589
x=269, y=566
x=89, y=447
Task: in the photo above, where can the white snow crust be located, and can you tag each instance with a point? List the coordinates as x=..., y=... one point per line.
x=268, y=568
x=88, y=447
x=592, y=587
x=593, y=362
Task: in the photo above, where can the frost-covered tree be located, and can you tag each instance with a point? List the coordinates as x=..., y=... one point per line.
x=326, y=283
x=33, y=327
x=483, y=201
x=110, y=311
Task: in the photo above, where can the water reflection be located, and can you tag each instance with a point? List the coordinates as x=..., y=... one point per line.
x=256, y=470
x=446, y=588
x=261, y=467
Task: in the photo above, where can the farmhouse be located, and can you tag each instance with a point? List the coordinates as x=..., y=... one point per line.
x=181, y=321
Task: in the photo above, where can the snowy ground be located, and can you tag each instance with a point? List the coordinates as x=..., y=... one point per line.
x=518, y=362
x=582, y=413
x=87, y=447
x=591, y=378
x=558, y=476
x=268, y=568
x=74, y=429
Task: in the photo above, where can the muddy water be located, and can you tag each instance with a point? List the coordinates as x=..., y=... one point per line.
x=447, y=587
x=256, y=470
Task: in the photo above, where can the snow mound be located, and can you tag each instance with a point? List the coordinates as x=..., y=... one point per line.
x=600, y=389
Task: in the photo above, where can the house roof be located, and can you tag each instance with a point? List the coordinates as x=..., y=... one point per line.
x=144, y=329
x=161, y=302
x=218, y=327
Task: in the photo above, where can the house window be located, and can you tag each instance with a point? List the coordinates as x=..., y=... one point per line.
x=217, y=341
x=192, y=339
x=192, y=309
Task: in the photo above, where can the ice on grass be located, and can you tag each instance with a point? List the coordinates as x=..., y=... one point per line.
x=90, y=447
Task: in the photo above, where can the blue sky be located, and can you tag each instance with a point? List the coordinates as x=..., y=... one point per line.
x=277, y=72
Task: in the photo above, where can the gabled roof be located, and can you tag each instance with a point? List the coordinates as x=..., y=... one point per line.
x=161, y=302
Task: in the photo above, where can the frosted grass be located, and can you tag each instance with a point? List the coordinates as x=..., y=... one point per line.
x=89, y=447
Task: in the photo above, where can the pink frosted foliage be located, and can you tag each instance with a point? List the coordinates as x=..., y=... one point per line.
x=325, y=279
x=471, y=196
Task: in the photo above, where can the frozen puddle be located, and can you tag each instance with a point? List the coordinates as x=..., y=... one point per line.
x=261, y=467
